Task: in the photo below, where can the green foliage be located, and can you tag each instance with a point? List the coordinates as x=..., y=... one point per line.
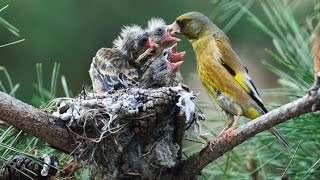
x=13, y=142
x=45, y=95
x=293, y=60
x=15, y=31
x=228, y=13
x=11, y=89
x=7, y=25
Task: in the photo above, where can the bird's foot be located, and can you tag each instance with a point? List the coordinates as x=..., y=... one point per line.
x=314, y=88
x=226, y=134
x=313, y=92
x=209, y=141
x=224, y=130
x=211, y=144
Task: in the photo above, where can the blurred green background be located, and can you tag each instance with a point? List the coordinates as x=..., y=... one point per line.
x=70, y=32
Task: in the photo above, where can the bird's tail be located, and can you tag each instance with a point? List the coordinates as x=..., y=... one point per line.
x=280, y=137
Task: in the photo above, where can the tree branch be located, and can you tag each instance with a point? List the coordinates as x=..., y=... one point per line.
x=193, y=165
x=36, y=122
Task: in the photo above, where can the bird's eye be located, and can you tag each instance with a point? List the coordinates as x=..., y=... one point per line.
x=165, y=53
x=162, y=64
x=180, y=22
x=159, y=30
x=143, y=41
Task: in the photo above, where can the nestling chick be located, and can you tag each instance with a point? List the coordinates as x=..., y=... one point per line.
x=220, y=69
x=114, y=68
x=160, y=73
x=133, y=42
x=158, y=33
x=173, y=57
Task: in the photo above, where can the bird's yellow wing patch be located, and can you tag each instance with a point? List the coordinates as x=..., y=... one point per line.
x=242, y=82
x=246, y=83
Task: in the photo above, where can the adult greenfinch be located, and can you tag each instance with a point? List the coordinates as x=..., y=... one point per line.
x=220, y=69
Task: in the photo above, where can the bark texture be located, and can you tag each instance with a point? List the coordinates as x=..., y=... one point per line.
x=38, y=123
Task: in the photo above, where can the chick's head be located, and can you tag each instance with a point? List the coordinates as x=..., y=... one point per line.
x=133, y=41
x=158, y=33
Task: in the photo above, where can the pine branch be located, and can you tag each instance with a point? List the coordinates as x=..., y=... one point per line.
x=193, y=165
x=36, y=122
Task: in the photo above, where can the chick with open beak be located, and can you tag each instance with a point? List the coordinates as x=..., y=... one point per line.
x=158, y=33
x=161, y=72
x=174, y=56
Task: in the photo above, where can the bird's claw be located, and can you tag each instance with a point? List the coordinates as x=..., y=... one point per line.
x=211, y=143
x=314, y=88
x=227, y=133
x=313, y=91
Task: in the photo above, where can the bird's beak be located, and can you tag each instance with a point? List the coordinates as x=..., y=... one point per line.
x=174, y=28
x=174, y=56
x=151, y=44
x=169, y=39
x=174, y=48
x=174, y=66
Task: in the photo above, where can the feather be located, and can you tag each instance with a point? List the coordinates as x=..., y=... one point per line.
x=155, y=23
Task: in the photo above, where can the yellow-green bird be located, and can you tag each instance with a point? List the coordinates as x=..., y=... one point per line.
x=220, y=69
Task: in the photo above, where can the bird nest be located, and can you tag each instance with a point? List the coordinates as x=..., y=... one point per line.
x=131, y=132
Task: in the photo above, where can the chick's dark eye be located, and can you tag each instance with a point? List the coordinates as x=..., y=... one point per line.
x=165, y=53
x=143, y=41
x=159, y=30
x=162, y=64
